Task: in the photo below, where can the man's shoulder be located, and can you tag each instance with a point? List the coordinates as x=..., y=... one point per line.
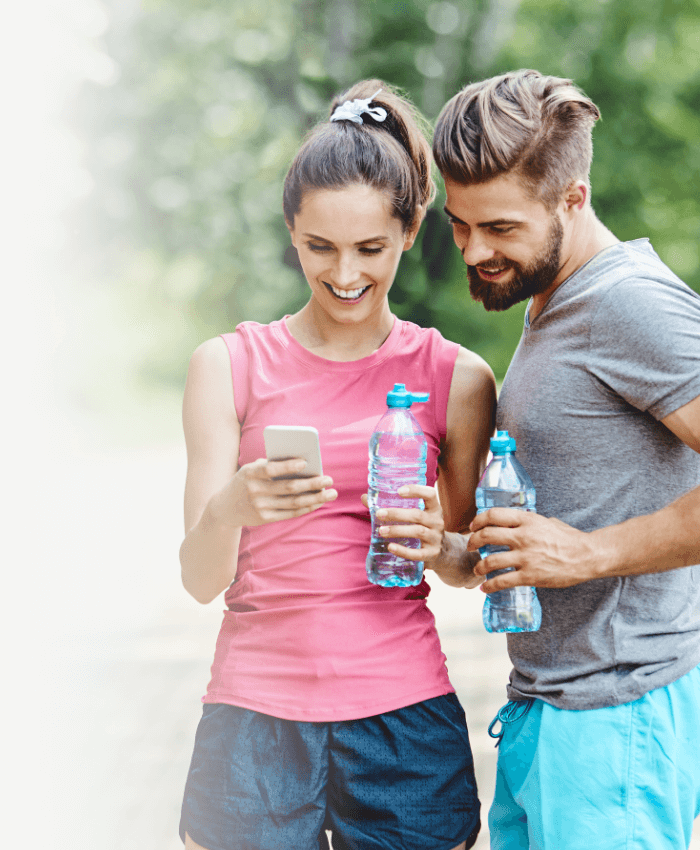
x=629, y=276
x=630, y=261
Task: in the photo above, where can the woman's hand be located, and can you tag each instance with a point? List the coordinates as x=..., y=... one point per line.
x=426, y=525
x=265, y=491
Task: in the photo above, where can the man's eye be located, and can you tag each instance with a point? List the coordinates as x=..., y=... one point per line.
x=502, y=230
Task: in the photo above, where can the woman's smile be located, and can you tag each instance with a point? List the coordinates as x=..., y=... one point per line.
x=349, y=296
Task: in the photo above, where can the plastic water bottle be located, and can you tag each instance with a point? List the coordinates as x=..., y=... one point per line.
x=397, y=456
x=505, y=484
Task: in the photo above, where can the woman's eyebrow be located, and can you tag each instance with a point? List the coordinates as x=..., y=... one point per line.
x=361, y=242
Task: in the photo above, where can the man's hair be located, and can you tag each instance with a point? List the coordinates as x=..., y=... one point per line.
x=536, y=127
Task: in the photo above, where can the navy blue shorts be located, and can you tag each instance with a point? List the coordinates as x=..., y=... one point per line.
x=404, y=779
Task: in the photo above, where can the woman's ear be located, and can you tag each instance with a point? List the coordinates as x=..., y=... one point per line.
x=412, y=232
x=290, y=228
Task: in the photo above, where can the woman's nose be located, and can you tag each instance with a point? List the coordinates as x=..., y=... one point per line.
x=346, y=271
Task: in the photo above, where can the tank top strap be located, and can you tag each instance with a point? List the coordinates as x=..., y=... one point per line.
x=240, y=374
x=442, y=360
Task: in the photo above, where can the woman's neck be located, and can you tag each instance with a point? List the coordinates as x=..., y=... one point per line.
x=339, y=341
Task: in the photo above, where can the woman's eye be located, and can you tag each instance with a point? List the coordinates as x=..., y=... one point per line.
x=318, y=248
x=371, y=250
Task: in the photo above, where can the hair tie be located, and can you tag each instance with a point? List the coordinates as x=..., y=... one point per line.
x=351, y=110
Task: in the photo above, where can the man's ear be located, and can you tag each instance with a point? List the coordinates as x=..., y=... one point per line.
x=575, y=196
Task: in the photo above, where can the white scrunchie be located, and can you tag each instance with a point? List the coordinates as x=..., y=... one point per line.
x=351, y=110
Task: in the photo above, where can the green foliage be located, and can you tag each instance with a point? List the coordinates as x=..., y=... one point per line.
x=190, y=146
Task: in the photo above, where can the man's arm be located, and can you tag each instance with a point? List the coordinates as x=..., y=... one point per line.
x=546, y=552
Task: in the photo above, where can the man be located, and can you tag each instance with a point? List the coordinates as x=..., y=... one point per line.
x=600, y=743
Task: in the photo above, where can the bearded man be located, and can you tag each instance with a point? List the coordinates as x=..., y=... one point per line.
x=600, y=740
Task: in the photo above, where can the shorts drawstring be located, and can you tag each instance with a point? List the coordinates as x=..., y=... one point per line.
x=513, y=710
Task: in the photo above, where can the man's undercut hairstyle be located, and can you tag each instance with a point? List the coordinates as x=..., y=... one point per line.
x=522, y=123
x=387, y=149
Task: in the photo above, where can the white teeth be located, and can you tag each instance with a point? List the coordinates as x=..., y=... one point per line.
x=349, y=294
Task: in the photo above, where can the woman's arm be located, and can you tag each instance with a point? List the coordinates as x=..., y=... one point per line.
x=471, y=417
x=442, y=527
x=220, y=497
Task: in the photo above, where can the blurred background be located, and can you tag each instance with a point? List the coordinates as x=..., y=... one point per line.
x=143, y=158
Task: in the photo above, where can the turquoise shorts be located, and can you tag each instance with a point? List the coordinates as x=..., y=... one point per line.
x=619, y=778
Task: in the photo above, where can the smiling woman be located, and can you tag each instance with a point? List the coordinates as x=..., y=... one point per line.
x=349, y=246
x=294, y=715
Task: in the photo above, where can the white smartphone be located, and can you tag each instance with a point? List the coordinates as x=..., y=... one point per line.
x=285, y=441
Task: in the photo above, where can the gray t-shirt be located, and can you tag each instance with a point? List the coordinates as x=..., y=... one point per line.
x=615, y=349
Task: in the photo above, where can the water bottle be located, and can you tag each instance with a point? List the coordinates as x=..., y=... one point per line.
x=397, y=456
x=505, y=484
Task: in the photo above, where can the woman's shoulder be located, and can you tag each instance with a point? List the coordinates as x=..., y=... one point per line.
x=210, y=362
x=472, y=375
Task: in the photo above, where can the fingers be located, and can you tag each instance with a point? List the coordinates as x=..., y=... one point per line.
x=502, y=582
x=284, y=477
x=504, y=517
x=497, y=561
x=430, y=540
x=274, y=490
x=419, y=491
x=493, y=535
x=271, y=508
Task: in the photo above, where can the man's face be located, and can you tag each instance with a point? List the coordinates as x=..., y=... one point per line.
x=511, y=244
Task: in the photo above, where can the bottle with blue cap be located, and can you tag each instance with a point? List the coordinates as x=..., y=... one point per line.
x=505, y=484
x=397, y=456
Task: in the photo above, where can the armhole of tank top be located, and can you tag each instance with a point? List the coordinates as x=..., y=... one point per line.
x=238, y=357
x=445, y=361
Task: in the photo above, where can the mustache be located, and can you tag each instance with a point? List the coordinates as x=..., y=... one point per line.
x=492, y=265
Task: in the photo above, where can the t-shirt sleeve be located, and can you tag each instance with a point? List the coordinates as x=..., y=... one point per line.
x=645, y=344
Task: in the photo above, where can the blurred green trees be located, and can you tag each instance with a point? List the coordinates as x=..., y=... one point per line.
x=189, y=147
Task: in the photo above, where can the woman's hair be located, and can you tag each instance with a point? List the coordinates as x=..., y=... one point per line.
x=392, y=155
x=534, y=126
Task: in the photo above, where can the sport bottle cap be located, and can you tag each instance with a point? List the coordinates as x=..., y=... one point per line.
x=400, y=397
x=502, y=443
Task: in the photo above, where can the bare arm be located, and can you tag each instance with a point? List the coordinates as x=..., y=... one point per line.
x=549, y=553
x=471, y=415
x=220, y=497
x=442, y=525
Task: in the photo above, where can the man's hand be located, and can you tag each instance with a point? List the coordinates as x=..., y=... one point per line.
x=544, y=552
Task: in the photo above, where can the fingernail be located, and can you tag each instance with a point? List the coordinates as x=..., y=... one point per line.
x=402, y=491
x=383, y=529
x=382, y=512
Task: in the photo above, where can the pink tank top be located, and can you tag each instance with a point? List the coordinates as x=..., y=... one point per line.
x=305, y=635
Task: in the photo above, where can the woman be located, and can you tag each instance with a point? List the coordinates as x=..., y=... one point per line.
x=329, y=707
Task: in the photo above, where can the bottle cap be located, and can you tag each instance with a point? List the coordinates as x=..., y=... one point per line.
x=502, y=443
x=400, y=397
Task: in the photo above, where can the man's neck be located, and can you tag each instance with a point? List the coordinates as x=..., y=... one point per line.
x=587, y=238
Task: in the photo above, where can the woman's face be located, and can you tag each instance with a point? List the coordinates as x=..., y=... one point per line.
x=349, y=246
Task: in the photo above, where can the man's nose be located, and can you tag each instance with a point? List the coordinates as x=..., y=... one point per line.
x=474, y=247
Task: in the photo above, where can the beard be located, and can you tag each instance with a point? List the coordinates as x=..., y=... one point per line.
x=532, y=279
